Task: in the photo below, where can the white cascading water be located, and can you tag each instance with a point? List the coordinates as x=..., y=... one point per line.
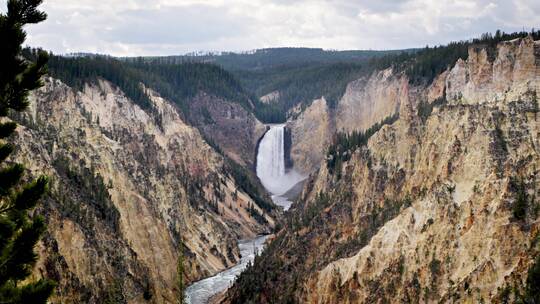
x=271, y=165
x=271, y=157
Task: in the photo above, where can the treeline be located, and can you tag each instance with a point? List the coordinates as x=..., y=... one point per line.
x=268, y=58
x=424, y=65
x=77, y=71
x=279, y=57
x=176, y=82
x=344, y=144
x=181, y=82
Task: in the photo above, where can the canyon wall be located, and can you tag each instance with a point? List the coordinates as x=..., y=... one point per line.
x=366, y=101
x=369, y=101
x=439, y=206
x=228, y=125
x=130, y=191
x=311, y=132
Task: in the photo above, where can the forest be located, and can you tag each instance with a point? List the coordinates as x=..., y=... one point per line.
x=178, y=83
x=300, y=74
x=269, y=58
x=300, y=84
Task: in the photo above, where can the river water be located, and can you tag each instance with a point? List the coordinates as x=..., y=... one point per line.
x=275, y=177
x=200, y=292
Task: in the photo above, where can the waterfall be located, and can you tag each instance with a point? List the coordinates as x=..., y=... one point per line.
x=271, y=162
x=271, y=158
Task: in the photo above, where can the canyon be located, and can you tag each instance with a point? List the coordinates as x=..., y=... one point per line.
x=430, y=193
x=277, y=175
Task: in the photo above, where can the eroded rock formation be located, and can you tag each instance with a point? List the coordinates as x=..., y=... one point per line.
x=129, y=191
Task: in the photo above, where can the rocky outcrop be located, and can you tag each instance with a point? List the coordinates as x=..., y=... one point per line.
x=130, y=190
x=440, y=206
x=310, y=134
x=366, y=101
x=227, y=124
x=369, y=101
x=271, y=97
x=512, y=74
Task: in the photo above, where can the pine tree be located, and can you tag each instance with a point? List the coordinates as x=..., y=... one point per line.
x=533, y=283
x=180, y=272
x=18, y=233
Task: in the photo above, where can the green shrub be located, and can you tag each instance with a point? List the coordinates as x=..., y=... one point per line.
x=532, y=290
x=520, y=205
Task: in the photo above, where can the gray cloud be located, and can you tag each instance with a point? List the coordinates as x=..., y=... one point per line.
x=177, y=25
x=162, y=27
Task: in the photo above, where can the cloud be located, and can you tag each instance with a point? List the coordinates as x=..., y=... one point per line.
x=196, y=24
x=164, y=27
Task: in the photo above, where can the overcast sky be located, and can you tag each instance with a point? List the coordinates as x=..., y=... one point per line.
x=165, y=27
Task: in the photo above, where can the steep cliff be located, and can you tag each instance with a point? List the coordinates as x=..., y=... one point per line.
x=366, y=101
x=229, y=125
x=311, y=133
x=439, y=206
x=130, y=190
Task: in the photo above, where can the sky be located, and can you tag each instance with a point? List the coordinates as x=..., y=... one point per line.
x=170, y=27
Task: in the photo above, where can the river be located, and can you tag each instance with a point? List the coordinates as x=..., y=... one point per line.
x=277, y=180
x=200, y=292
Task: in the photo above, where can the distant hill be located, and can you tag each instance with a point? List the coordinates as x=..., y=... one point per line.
x=272, y=57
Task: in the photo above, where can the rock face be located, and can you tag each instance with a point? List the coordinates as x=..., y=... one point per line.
x=369, y=101
x=366, y=101
x=514, y=73
x=437, y=207
x=235, y=130
x=271, y=97
x=129, y=191
x=310, y=134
